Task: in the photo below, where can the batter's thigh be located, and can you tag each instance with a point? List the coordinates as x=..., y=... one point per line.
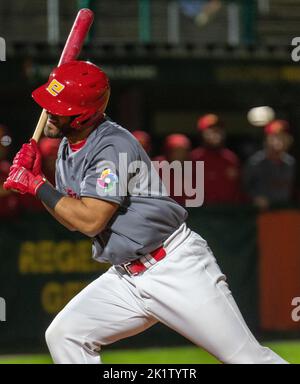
x=105, y=311
x=187, y=292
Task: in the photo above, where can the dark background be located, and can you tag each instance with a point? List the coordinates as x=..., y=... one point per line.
x=161, y=81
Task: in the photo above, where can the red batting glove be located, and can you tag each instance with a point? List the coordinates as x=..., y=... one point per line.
x=29, y=157
x=23, y=181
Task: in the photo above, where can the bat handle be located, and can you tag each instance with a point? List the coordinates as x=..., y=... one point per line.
x=40, y=126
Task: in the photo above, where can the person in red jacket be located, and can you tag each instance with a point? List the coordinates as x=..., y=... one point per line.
x=9, y=201
x=144, y=139
x=221, y=165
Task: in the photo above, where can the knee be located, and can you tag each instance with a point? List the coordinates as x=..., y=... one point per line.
x=254, y=353
x=54, y=334
x=58, y=332
x=63, y=336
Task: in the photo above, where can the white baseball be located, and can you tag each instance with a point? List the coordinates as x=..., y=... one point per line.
x=260, y=116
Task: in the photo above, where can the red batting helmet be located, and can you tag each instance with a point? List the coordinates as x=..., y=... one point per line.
x=75, y=88
x=276, y=126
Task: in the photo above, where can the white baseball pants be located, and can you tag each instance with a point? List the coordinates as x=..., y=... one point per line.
x=185, y=291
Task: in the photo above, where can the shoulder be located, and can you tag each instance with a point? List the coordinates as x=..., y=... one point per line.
x=288, y=159
x=111, y=133
x=257, y=158
x=110, y=140
x=230, y=156
x=197, y=153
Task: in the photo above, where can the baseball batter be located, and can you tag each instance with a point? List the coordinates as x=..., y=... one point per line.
x=161, y=270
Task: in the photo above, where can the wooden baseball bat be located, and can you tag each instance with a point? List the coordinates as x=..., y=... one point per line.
x=74, y=43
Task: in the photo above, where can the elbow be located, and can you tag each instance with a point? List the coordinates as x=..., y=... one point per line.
x=92, y=229
x=92, y=233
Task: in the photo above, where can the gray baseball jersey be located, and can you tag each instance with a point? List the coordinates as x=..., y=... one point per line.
x=113, y=166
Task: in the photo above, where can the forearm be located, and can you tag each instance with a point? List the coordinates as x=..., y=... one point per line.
x=59, y=219
x=49, y=198
x=65, y=223
x=77, y=215
x=87, y=215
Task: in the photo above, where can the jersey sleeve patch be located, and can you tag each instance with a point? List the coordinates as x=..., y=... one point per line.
x=107, y=180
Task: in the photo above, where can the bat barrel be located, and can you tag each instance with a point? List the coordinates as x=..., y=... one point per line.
x=75, y=41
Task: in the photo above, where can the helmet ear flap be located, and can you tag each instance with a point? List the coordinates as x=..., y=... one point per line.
x=92, y=115
x=87, y=119
x=78, y=120
x=74, y=118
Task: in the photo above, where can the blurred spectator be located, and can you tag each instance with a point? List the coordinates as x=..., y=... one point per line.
x=9, y=201
x=177, y=147
x=144, y=139
x=269, y=174
x=222, y=175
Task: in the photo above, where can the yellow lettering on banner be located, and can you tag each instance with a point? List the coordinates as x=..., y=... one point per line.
x=45, y=250
x=48, y=257
x=290, y=73
x=84, y=256
x=55, y=296
x=65, y=263
x=27, y=258
x=51, y=297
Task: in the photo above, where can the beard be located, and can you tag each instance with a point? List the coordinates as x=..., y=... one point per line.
x=56, y=131
x=53, y=132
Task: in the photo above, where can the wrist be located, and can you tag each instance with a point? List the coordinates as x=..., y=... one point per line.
x=48, y=195
x=38, y=182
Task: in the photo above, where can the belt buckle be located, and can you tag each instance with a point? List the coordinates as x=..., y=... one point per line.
x=125, y=266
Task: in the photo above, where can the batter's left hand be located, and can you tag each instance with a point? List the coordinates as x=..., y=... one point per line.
x=23, y=181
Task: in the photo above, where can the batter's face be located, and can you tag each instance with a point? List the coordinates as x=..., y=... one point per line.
x=58, y=126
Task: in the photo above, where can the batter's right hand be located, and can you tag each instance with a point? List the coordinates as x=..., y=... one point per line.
x=29, y=157
x=23, y=181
